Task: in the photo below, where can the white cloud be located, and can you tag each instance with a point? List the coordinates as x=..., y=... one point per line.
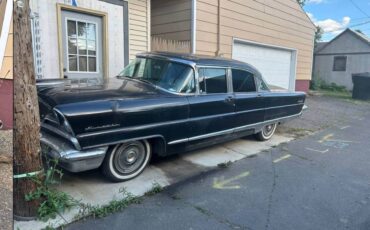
x=330, y=25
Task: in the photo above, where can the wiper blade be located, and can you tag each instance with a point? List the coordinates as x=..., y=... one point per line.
x=146, y=81
x=122, y=76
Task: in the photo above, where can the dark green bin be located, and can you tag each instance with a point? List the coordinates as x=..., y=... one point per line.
x=361, y=86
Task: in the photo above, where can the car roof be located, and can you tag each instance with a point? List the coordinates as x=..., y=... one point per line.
x=201, y=60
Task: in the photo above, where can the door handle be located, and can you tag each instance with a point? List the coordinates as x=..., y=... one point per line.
x=229, y=99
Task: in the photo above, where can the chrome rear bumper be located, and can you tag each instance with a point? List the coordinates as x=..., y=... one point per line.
x=68, y=157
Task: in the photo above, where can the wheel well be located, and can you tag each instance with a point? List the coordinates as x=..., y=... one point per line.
x=158, y=145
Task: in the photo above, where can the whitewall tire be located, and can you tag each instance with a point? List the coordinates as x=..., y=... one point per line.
x=267, y=132
x=126, y=161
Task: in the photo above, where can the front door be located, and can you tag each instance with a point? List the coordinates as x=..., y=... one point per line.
x=82, y=40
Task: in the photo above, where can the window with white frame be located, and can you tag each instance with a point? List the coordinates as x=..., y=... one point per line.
x=82, y=53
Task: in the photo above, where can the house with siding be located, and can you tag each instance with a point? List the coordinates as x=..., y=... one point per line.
x=337, y=60
x=79, y=39
x=6, y=64
x=275, y=36
x=87, y=39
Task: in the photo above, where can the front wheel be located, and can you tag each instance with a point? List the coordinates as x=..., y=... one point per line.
x=266, y=133
x=126, y=161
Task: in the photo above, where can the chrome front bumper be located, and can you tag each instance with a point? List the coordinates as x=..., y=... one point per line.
x=68, y=157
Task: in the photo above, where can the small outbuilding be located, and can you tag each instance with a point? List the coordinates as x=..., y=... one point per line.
x=347, y=54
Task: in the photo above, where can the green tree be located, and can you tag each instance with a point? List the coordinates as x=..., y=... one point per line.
x=318, y=34
x=301, y=2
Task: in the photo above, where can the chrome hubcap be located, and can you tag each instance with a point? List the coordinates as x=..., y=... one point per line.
x=131, y=157
x=128, y=158
x=268, y=130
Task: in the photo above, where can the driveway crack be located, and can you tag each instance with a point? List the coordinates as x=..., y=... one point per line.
x=267, y=225
x=210, y=214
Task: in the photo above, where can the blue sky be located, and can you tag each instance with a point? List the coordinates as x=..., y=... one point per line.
x=336, y=15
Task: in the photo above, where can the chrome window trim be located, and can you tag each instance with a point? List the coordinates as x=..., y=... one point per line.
x=227, y=73
x=176, y=60
x=254, y=79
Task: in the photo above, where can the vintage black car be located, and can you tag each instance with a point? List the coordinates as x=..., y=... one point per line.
x=161, y=104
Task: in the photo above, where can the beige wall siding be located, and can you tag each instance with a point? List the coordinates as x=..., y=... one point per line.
x=171, y=19
x=274, y=22
x=139, y=24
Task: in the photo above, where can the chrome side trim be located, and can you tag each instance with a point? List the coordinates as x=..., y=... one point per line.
x=178, y=141
x=274, y=107
x=147, y=126
x=241, y=128
x=237, y=129
x=228, y=131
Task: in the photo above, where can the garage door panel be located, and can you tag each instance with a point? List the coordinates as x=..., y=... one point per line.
x=274, y=64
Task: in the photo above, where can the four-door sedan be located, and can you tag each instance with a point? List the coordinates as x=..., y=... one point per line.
x=162, y=104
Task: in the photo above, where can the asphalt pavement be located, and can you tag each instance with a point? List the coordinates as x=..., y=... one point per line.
x=319, y=181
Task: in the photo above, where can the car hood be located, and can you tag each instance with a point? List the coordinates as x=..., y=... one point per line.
x=116, y=89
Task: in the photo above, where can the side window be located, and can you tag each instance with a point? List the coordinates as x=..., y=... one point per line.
x=212, y=80
x=340, y=63
x=243, y=81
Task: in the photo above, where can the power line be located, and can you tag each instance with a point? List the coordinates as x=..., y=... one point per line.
x=359, y=8
x=360, y=24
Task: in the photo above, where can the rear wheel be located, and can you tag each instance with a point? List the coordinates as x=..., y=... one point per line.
x=266, y=133
x=126, y=161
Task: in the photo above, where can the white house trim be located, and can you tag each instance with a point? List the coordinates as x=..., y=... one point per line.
x=5, y=31
x=194, y=27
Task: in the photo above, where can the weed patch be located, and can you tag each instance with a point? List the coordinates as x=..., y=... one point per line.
x=225, y=164
x=157, y=188
x=100, y=211
x=53, y=202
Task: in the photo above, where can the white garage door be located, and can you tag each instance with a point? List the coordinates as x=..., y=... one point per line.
x=274, y=64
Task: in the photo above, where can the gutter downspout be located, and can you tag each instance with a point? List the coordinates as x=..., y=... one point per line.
x=218, y=52
x=194, y=26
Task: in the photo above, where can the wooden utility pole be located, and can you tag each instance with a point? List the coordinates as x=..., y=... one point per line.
x=27, y=159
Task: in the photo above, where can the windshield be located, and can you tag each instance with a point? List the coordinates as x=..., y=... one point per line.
x=172, y=76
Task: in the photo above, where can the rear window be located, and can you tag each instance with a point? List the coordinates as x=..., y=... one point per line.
x=212, y=80
x=243, y=81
